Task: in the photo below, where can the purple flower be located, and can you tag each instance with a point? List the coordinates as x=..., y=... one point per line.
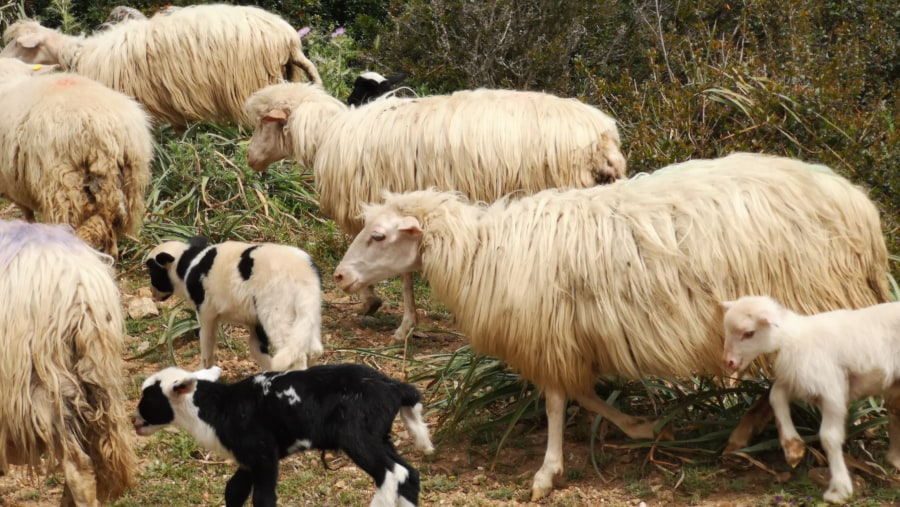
x=338, y=32
x=303, y=32
x=778, y=499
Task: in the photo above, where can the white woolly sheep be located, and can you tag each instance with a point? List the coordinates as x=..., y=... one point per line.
x=273, y=290
x=829, y=359
x=371, y=85
x=195, y=63
x=625, y=279
x=263, y=419
x=61, y=332
x=75, y=151
x=483, y=143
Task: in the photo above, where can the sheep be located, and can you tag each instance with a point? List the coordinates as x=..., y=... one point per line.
x=829, y=359
x=273, y=290
x=62, y=334
x=264, y=418
x=372, y=85
x=195, y=63
x=119, y=14
x=75, y=151
x=484, y=143
x=625, y=279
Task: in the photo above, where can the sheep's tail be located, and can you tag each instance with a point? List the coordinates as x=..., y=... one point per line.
x=411, y=414
x=298, y=59
x=107, y=428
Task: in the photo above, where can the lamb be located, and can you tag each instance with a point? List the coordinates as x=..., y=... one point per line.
x=75, y=151
x=195, y=63
x=62, y=337
x=625, y=279
x=262, y=419
x=483, y=143
x=273, y=290
x=372, y=85
x=829, y=359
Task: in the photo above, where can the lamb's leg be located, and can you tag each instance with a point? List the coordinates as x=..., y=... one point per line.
x=371, y=302
x=209, y=334
x=553, y=459
x=370, y=456
x=259, y=347
x=409, y=309
x=81, y=485
x=752, y=423
x=634, y=427
x=892, y=404
x=238, y=488
x=265, y=481
x=408, y=488
x=793, y=445
x=834, y=415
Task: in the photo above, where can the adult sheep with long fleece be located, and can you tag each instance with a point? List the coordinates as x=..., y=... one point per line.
x=195, y=63
x=74, y=151
x=626, y=279
x=483, y=143
x=62, y=405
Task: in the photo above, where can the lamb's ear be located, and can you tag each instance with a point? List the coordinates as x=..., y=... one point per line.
x=198, y=242
x=30, y=40
x=210, y=374
x=726, y=305
x=767, y=318
x=184, y=386
x=163, y=258
x=276, y=115
x=410, y=225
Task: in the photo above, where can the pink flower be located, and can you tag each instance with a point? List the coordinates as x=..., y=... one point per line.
x=303, y=32
x=338, y=32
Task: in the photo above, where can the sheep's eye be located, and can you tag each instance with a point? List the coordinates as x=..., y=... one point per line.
x=378, y=236
x=746, y=335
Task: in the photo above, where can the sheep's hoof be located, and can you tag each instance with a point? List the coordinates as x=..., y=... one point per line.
x=794, y=449
x=370, y=307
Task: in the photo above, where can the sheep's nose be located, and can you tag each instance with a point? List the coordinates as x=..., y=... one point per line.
x=338, y=276
x=731, y=363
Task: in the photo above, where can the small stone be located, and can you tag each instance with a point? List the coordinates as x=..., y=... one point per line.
x=141, y=308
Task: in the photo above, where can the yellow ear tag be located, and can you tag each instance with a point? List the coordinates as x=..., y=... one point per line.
x=36, y=67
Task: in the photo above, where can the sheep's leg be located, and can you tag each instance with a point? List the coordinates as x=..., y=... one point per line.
x=831, y=433
x=265, y=480
x=793, y=445
x=553, y=458
x=369, y=455
x=892, y=403
x=209, y=333
x=752, y=423
x=238, y=488
x=371, y=302
x=258, y=350
x=407, y=488
x=409, y=309
x=634, y=427
x=81, y=485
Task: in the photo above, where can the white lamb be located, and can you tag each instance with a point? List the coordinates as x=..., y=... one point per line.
x=829, y=359
x=483, y=143
x=195, y=63
x=74, y=151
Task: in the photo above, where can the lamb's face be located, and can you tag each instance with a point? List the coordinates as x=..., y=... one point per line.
x=388, y=245
x=165, y=393
x=161, y=262
x=749, y=322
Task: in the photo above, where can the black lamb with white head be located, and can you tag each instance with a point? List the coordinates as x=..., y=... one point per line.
x=262, y=419
x=371, y=85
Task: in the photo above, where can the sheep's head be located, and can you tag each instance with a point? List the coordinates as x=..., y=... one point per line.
x=13, y=68
x=165, y=267
x=32, y=43
x=269, y=143
x=388, y=245
x=750, y=323
x=164, y=394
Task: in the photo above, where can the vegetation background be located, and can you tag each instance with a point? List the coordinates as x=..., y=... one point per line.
x=812, y=79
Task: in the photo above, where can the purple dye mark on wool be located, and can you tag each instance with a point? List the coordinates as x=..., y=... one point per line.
x=15, y=235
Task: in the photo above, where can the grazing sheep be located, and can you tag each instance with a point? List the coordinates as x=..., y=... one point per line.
x=263, y=419
x=483, y=143
x=74, y=150
x=195, y=63
x=828, y=359
x=371, y=85
x=625, y=279
x=61, y=332
x=272, y=290
x=119, y=14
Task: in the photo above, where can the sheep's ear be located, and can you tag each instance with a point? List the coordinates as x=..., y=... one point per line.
x=767, y=318
x=184, y=386
x=276, y=115
x=198, y=242
x=210, y=374
x=163, y=258
x=30, y=40
x=726, y=305
x=410, y=225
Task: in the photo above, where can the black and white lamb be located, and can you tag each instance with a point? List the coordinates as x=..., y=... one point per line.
x=275, y=291
x=262, y=419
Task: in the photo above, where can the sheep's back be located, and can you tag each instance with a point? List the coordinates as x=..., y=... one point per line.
x=626, y=279
x=483, y=143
